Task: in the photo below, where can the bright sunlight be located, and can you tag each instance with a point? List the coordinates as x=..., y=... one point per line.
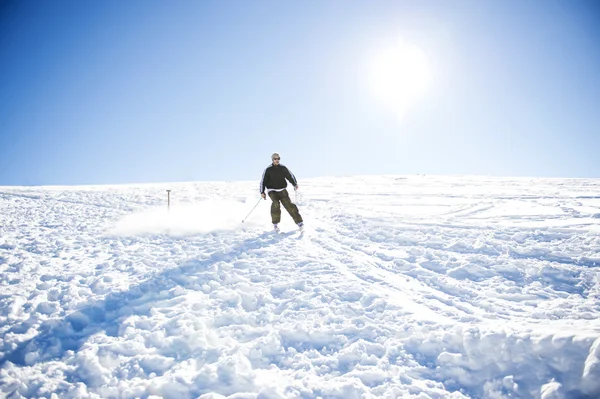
x=398, y=76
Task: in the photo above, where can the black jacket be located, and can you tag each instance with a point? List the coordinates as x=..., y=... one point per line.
x=275, y=177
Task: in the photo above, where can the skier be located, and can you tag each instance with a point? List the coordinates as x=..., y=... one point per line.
x=274, y=183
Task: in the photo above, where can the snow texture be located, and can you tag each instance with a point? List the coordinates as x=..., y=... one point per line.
x=400, y=287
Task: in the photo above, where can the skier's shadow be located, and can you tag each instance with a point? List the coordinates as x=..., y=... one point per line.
x=58, y=336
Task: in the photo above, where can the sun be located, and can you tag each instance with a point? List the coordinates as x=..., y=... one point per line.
x=399, y=75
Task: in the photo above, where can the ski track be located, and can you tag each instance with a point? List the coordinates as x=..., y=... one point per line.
x=428, y=287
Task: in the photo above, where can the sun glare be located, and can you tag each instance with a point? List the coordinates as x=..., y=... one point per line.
x=399, y=76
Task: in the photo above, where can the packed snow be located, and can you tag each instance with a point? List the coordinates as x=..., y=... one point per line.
x=399, y=287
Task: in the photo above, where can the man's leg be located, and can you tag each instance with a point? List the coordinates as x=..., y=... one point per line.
x=275, y=207
x=290, y=206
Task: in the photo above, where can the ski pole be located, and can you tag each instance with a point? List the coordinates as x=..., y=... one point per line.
x=251, y=210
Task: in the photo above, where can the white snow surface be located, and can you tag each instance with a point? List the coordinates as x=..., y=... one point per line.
x=400, y=287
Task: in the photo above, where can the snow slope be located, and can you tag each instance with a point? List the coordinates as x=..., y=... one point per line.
x=401, y=287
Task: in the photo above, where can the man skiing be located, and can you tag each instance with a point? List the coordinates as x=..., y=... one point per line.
x=274, y=183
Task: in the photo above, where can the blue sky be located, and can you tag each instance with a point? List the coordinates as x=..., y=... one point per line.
x=101, y=92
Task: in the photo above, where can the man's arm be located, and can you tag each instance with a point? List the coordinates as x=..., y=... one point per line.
x=262, y=183
x=291, y=178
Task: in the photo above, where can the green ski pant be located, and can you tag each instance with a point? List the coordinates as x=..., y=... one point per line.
x=284, y=198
